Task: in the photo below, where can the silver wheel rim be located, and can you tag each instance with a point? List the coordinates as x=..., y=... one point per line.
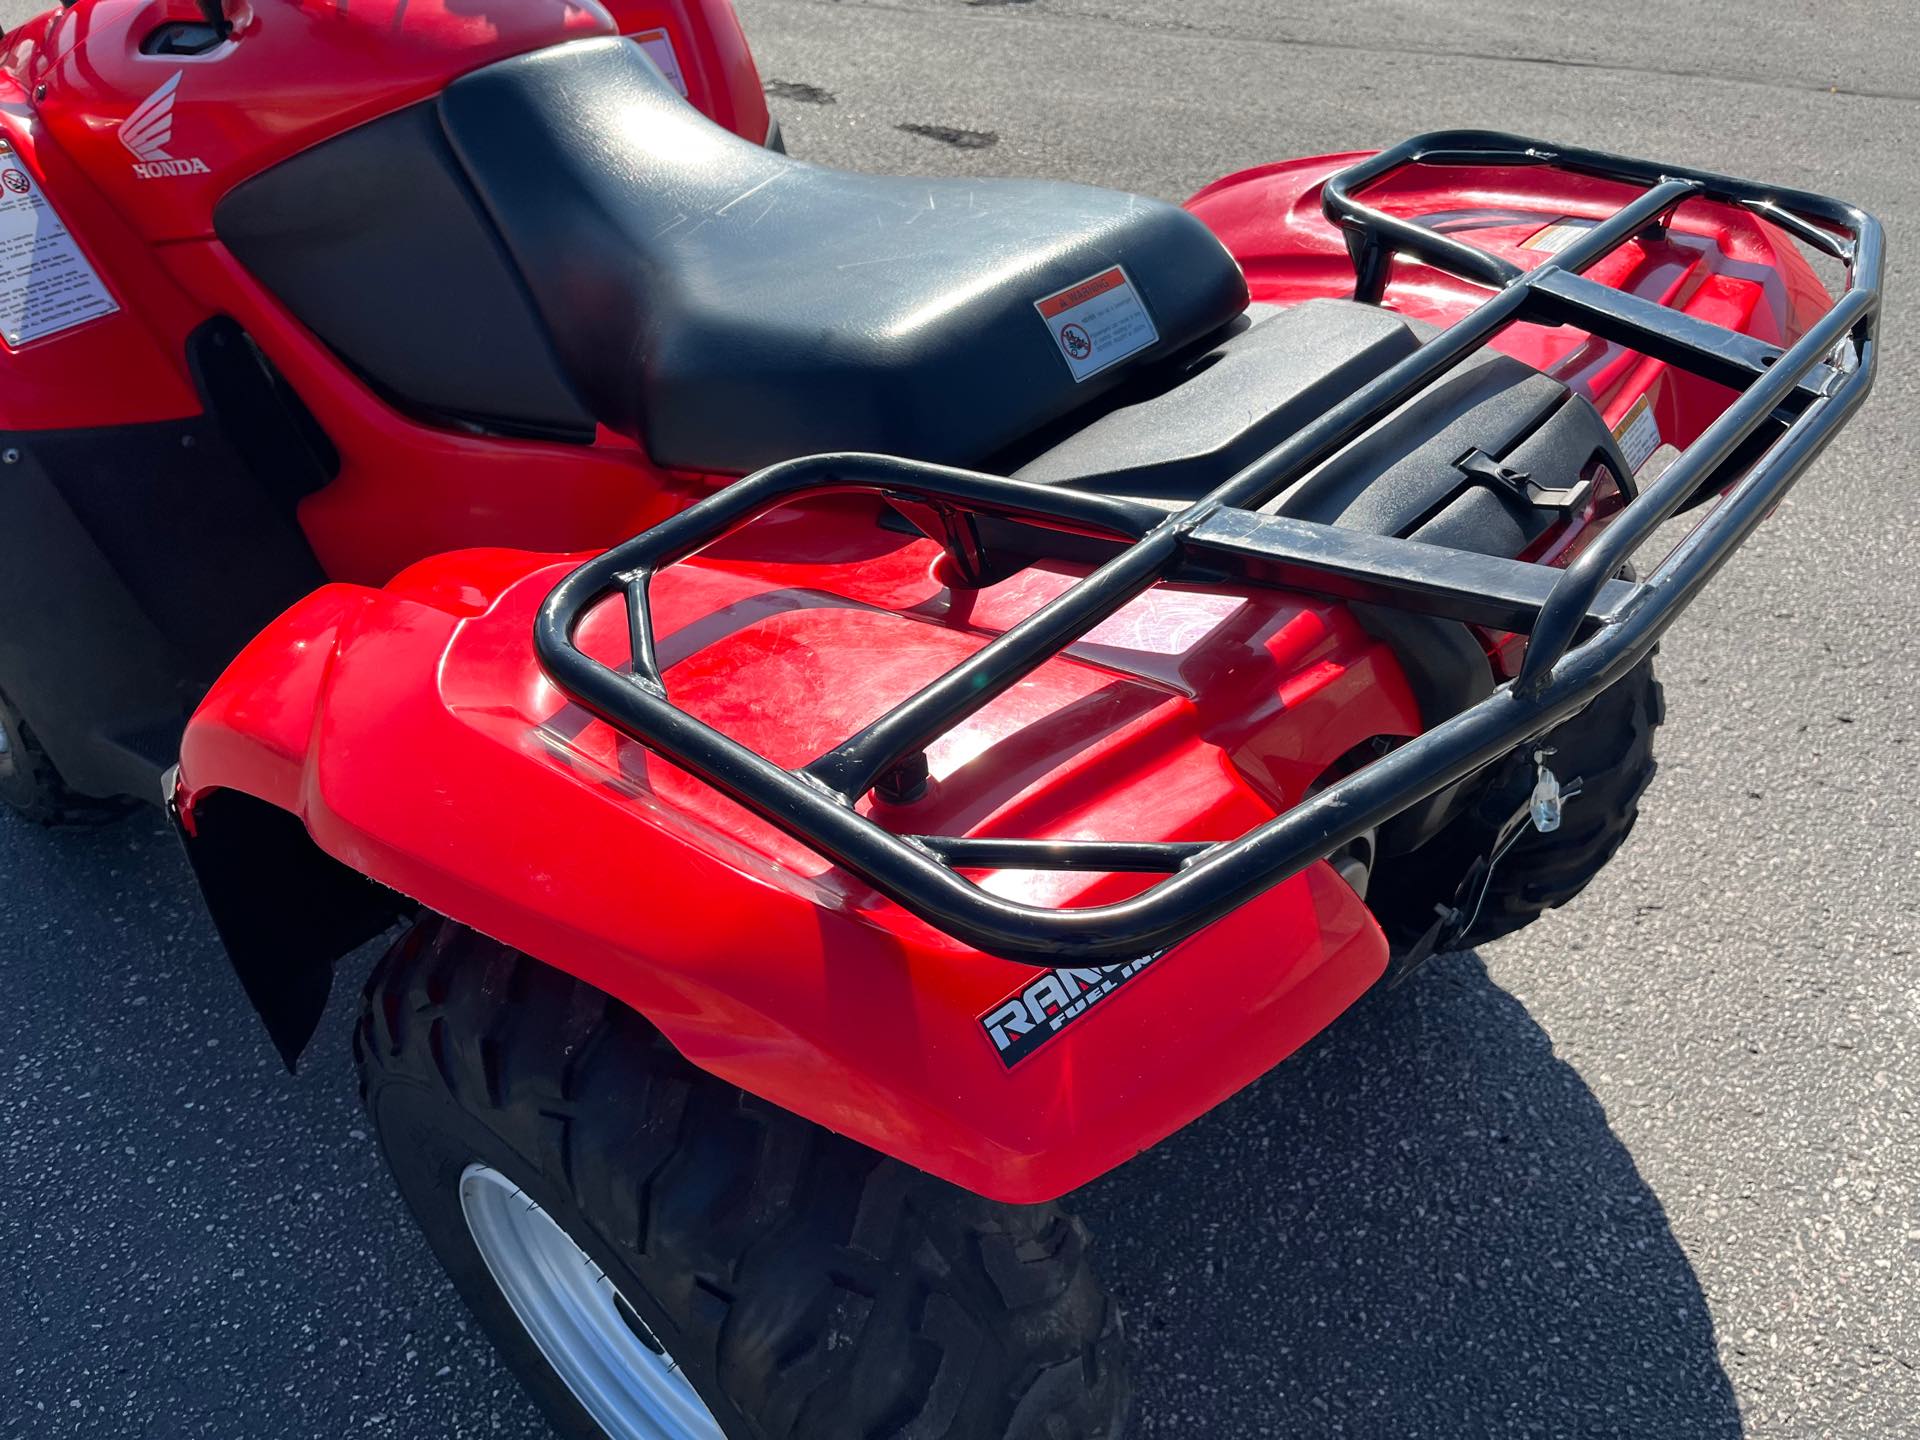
x=611, y=1361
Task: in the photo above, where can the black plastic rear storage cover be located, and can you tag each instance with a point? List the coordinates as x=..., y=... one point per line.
x=1403, y=478
x=1236, y=401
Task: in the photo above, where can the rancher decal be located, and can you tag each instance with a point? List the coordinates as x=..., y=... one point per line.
x=1042, y=1008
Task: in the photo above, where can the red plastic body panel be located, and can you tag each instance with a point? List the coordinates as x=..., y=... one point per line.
x=712, y=54
x=291, y=76
x=1720, y=264
x=413, y=731
x=1715, y=262
x=407, y=489
x=119, y=369
x=298, y=73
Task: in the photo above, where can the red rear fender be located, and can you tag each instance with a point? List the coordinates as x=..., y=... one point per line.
x=1716, y=262
x=412, y=731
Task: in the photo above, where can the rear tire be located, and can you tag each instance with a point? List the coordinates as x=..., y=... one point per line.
x=30, y=783
x=806, y=1286
x=1609, y=746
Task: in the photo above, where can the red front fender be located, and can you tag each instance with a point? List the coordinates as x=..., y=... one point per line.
x=413, y=734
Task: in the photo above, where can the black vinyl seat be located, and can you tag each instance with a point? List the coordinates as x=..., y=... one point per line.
x=733, y=307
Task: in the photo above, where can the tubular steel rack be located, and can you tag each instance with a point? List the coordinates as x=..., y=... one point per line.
x=1586, y=628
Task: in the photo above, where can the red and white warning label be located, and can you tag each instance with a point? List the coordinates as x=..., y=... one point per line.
x=46, y=284
x=659, y=47
x=1638, y=432
x=1097, y=322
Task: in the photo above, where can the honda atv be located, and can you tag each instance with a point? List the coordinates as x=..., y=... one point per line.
x=1138, y=631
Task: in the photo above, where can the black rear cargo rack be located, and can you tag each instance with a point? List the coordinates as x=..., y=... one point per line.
x=1586, y=628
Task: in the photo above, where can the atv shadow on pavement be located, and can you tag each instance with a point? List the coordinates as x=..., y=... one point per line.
x=1420, y=1225
x=228, y=1225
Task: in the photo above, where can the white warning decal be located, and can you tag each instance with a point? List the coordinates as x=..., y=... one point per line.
x=659, y=47
x=46, y=284
x=1638, y=433
x=1097, y=322
x=1558, y=236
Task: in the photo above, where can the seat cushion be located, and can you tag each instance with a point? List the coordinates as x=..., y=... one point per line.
x=732, y=307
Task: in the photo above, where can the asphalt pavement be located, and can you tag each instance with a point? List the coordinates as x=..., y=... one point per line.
x=1647, y=1169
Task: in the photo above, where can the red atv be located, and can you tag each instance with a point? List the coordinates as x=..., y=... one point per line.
x=1140, y=630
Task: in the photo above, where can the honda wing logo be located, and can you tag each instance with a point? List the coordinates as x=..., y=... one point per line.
x=149, y=130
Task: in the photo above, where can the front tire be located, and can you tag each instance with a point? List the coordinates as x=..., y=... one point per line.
x=805, y=1286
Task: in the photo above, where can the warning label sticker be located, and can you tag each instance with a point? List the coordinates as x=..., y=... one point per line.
x=1557, y=236
x=46, y=284
x=1638, y=433
x=1097, y=322
x=659, y=47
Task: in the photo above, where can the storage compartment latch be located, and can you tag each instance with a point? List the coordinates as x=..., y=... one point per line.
x=1482, y=466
